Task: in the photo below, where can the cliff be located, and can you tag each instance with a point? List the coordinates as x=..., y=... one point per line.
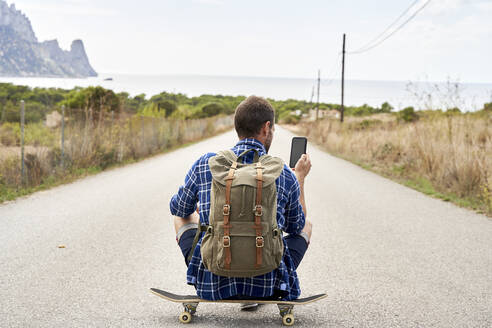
x=22, y=55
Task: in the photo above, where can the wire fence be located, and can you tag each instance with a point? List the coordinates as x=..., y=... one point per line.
x=33, y=152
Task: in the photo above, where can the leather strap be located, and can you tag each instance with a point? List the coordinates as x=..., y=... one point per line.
x=258, y=210
x=226, y=243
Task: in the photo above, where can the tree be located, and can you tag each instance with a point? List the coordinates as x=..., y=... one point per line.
x=386, y=108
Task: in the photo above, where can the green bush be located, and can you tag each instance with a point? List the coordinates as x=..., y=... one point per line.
x=408, y=115
x=454, y=110
x=151, y=110
x=212, y=109
x=95, y=101
x=10, y=112
x=167, y=106
x=288, y=118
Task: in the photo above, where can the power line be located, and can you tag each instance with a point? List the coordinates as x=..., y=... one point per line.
x=371, y=44
x=389, y=26
x=368, y=47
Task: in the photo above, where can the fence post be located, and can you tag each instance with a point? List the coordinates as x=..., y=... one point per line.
x=63, y=137
x=23, y=169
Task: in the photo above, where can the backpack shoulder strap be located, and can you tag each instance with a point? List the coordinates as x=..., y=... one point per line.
x=257, y=154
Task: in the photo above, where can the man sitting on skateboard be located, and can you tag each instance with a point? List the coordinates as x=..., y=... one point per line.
x=254, y=124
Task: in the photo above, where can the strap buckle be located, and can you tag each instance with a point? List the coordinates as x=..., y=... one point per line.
x=260, y=242
x=226, y=209
x=258, y=210
x=226, y=241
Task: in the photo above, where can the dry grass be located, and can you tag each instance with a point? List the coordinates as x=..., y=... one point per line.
x=97, y=145
x=449, y=156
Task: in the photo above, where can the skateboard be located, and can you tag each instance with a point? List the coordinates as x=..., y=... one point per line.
x=190, y=303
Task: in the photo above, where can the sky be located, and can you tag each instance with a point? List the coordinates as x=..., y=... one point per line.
x=448, y=40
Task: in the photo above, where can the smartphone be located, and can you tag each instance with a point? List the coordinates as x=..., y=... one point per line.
x=299, y=145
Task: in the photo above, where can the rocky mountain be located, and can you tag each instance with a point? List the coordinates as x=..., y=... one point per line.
x=21, y=54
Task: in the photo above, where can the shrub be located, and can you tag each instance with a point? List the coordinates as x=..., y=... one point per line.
x=95, y=101
x=169, y=107
x=289, y=119
x=408, y=115
x=454, y=110
x=212, y=109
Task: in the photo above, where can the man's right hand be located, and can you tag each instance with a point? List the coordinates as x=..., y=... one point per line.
x=303, y=166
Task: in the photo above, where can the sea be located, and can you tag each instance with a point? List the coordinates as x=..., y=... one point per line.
x=400, y=94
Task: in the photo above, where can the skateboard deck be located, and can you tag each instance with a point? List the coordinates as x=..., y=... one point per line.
x=190, y=303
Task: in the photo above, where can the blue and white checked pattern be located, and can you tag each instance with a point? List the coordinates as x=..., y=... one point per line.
x=290, y=218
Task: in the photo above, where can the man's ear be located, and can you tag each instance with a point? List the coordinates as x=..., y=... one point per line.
x=264, y=129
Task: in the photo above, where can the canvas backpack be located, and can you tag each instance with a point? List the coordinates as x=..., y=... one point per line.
x=243, y=239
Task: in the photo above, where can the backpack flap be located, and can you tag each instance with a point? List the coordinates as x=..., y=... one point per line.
x=220, y=164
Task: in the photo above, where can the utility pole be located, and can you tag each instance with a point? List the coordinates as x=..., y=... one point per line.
x=312, y=96
x=317, y=98
x=343, y=77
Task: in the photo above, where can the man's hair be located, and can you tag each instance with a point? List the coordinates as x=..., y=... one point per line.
x=250, y=116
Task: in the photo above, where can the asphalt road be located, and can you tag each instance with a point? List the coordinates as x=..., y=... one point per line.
x=386, y=255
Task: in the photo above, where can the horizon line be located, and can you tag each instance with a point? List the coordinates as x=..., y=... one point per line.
x=287, y=77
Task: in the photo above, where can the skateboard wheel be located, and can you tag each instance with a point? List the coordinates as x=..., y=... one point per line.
x=288, y=319
x=185, y=317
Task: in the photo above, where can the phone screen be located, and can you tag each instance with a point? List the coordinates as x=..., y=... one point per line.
x=298, y=148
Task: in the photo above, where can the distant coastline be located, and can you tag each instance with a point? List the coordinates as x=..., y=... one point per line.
x=358, y=92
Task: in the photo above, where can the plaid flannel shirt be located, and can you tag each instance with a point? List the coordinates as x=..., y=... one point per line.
x=290, y=218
